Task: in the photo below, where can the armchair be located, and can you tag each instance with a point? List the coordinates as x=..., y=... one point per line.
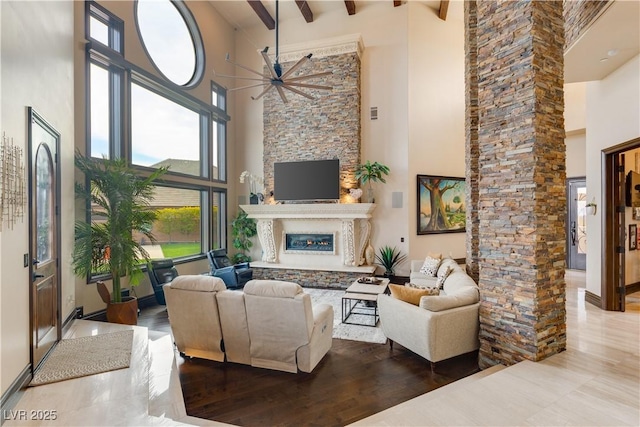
x=161, y=271
x=234, y=276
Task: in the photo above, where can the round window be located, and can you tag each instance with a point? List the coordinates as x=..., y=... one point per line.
x=171, y=38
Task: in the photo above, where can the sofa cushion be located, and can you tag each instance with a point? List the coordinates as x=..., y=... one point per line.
x=442, y=276
x=272, y=288
x=463, y=297
x=432, y=290
x=447, y=262
x=430, y=266
x=407, y=294
x=198, y=283
x=457, y=280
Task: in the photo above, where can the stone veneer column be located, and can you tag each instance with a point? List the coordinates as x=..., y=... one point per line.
x=522, y=200
x=472, y=159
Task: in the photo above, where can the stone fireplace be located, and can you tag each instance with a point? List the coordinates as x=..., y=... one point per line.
x=319, y=236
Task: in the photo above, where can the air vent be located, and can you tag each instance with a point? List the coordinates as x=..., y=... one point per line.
x=374, y=113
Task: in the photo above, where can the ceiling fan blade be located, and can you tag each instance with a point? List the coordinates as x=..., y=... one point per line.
x=246, y=87
x=263, y=93
x=281, y=92
x=299, y=92
x=308, y=85
x=297, y=65
x=310, y=76
x=267, y=60
x=243, y=67
x=263, y=79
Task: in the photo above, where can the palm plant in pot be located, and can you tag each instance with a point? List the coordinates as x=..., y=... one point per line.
x=243, y=229
x=389, y=258
x=118, y=200
x=371, y=172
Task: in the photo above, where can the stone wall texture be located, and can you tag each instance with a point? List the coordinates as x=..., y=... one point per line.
x=578, y=16
x=521, y=174
x=308, y=278
x=325, y=128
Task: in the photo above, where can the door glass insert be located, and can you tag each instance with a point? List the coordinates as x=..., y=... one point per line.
x=581, y=231
x=44, y=203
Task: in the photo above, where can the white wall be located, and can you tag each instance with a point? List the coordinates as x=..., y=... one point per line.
x=37, y=71
x=613, y=117
x=436, y=114
x=576, y=162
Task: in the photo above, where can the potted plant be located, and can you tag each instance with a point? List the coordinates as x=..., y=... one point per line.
x=371, y=172
x=389, y=258
x=119, y=204
x=591, y=207
x=242, y=229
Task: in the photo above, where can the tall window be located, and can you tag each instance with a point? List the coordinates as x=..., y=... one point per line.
x=153, y=122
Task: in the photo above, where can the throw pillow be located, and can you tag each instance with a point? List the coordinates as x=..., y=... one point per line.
x=430, y=266
x=434, y=255
x=407, y=294
x=431, y=290
x=442, y=276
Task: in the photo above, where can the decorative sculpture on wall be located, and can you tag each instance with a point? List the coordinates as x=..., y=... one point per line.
x=12, y=197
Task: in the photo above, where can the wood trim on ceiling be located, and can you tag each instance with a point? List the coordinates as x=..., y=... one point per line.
x=305, y=10
x=262, y=13
x=351, y=6
x=397, y=3
x=444, y=8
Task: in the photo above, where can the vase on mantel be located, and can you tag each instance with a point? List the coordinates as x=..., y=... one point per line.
x=368, y=196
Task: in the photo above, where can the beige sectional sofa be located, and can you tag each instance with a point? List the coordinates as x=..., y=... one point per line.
x=269, y=324
x=441, y=326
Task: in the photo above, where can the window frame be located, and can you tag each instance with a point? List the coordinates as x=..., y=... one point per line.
x=122, y=74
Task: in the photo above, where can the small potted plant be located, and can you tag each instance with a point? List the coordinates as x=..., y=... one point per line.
x=592, y=207
x=371, y=172
x=118, y=199
x=389, y=258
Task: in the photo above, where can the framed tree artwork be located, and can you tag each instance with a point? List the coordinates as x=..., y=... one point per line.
x=441, y=204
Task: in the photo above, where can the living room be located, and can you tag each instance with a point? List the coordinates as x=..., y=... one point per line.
x=412, y=70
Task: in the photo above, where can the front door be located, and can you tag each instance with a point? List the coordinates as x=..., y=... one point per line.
x=43, y=232
x=577, y=224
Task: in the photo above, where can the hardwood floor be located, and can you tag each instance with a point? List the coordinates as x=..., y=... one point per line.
x=352, y=382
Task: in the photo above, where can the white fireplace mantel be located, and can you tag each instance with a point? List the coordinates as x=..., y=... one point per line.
x=349, y=220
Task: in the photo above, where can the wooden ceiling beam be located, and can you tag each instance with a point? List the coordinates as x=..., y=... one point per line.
x=262, y=13
x=351, y=6
x=305, y=10
x=397, y=3
x=444, y=8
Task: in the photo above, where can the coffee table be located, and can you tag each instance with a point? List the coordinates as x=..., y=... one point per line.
x=362, y=298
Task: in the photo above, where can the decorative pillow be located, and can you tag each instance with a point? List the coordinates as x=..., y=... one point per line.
x=434, y=255
x=407, y=294
x=432, y=291
x=430, y=266
x=442, y=276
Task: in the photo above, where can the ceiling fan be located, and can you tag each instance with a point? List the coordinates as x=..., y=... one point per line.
x=276, y=78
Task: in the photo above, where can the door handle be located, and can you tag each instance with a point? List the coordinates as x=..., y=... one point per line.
x=37, y=276
x=573, y=233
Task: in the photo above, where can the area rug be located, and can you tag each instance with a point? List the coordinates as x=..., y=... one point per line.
x=79, y=357
x=345, y=331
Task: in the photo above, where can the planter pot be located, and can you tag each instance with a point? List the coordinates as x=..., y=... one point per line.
x=591, y=210
x=368, y=196
x=253, y=199
x=125, y=312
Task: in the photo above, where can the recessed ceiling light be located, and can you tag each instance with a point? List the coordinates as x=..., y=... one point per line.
x=604, y=59
x=612, y=52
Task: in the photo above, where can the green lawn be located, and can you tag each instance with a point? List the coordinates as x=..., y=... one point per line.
x=176, y=250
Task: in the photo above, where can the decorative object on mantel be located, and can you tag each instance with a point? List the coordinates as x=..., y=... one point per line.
x=356, y=193
x=276, y=78
x=12, y=192
x=371, y=172
x=369, y=255
x=256, y=187
x=390, y=258
x=591, y=207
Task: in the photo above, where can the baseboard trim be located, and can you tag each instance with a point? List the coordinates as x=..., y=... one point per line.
x=592, y=298
x=14, y=393
x=634, y=287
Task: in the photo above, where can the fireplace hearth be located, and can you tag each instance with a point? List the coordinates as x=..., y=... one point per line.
x=309, y=243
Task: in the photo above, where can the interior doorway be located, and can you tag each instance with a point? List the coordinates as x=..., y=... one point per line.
x=576, y=224
x=44, y=226
x=621, y=223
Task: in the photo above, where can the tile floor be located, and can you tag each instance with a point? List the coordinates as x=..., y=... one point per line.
x=595, y=382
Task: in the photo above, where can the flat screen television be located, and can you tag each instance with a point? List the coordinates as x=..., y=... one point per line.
x=306, y=180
